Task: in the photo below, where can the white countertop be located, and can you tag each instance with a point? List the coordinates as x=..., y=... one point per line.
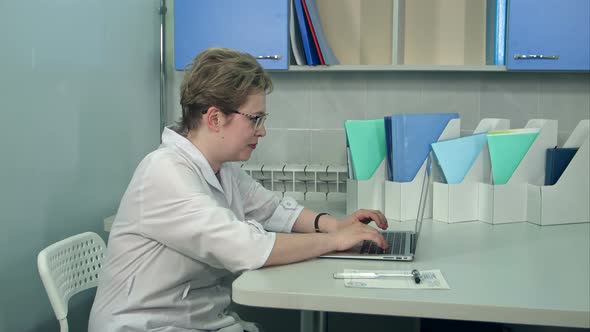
x=514, y=273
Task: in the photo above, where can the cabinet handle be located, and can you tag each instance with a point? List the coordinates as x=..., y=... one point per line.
x=269, y=57
x=535, y=57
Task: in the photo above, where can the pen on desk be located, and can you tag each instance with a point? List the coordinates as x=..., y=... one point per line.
x=414, y=274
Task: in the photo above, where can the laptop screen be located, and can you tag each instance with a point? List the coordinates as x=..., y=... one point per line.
x=422, y=202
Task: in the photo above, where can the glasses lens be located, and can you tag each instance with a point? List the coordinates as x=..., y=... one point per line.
x=260, y=121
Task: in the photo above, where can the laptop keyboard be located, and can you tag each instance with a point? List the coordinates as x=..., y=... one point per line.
x=396, y=241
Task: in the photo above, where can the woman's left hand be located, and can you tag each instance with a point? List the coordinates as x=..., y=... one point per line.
x=365, y=216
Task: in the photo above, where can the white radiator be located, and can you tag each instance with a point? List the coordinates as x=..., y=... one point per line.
x=301, y=181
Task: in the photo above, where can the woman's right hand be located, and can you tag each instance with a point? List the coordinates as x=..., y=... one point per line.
x=350, y=235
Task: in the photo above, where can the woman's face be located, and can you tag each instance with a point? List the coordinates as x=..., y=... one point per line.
x=240, y=135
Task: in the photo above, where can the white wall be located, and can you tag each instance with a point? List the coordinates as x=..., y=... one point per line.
x=79, y=107
x=308, y=109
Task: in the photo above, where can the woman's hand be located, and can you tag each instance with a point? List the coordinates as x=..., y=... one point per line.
x=354, y=232
x=364, y=216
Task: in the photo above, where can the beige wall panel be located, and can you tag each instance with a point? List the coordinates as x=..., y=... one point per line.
x=376, y=39
x=475, y=32
x=341, y=24
x=449, y=32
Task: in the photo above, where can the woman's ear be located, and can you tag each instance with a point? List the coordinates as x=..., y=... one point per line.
x=213, y=118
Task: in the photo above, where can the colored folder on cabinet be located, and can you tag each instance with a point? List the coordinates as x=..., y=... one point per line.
x=366, y=140
x=313, y=32
x=311, y=53
x=496, y=32
x=456, y=156
x=412, y=135
x=324, y=46
x=295, y=38
x=556, y=161
x=507, y=148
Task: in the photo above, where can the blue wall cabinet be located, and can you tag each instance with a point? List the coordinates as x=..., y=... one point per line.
x=258, y=27
x=548, y=35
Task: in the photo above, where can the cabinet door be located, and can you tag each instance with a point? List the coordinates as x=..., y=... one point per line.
x=258, y=27
x=549, y=28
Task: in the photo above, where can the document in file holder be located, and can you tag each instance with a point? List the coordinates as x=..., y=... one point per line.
x=388, y=149
x=556, y=162
x=507, y=149
x=412, y=135
x=366, y=139
x=430, y=279
x=456, y=156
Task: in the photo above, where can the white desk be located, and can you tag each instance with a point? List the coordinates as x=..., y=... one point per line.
x=513, y=273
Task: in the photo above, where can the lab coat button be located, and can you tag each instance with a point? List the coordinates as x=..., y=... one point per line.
x=289, y=203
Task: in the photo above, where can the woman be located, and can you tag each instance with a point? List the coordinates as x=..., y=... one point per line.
x=190, y=220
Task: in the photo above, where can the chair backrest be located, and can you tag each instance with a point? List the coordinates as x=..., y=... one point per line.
x=68, y=267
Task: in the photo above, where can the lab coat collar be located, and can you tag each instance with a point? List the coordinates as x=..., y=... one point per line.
x=172, y=139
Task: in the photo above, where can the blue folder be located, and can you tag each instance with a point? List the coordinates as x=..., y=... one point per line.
x=496, y=32
x=412, y=135
x=311, y=53
x=557, y=160
x=456, y=156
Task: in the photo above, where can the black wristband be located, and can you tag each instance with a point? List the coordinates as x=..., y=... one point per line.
x=317, y=219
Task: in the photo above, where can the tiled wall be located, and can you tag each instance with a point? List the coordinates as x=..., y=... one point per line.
x=307, y=109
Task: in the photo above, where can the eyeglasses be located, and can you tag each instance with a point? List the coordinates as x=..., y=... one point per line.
x=258, y=120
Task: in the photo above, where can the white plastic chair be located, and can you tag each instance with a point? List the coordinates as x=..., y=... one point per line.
x=68, y=267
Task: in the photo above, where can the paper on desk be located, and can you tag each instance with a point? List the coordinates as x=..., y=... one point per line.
x=431, y=279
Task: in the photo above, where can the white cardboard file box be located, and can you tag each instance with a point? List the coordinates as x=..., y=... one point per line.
x=567, y=201
x=366, y=194
x=507, y=203
x=459, y=202
x=401, y=199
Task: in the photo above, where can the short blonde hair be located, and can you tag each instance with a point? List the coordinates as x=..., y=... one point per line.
x=219, y=77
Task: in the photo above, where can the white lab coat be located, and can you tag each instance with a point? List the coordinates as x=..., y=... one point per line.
x=179, y=239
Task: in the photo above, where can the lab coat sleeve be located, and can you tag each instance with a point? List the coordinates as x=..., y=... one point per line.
x=261, y=204
x=176, y=213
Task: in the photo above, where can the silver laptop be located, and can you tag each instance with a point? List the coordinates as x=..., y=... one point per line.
x=402, y=244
